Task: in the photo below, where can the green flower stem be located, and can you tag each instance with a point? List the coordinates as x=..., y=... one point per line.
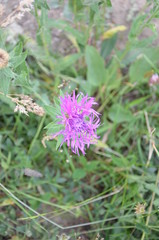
x=37, y=134
x=69, y=158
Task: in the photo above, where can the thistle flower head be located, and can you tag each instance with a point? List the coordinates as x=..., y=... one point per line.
x=79, y=120
x=4, y=58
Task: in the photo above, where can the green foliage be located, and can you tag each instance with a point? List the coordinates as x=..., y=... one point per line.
x=107, y=46
x=119, y=114
x=121, y=169
x=96, y=73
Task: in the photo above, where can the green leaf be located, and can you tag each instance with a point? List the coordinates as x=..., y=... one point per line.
x=137, y=102
x=107, y=46
x=66, y=62
x=136, y=26
x=16, y=61
x=53, y=127
x=152, y=187
x=75, y=6
x=52, y=111
x=96, y=73
x=138, y=71
x=134, y=178
x=109, y=4
x=142, y=227
x=156, y=202
x=60, y=24
x=54, y=130
x=119, y=114
x=92, y=166
x=79, y=173
x=4, y=83
x=114, y=77
x=120, y=162
x=4, y=164
x=59, y=141
x=5, y=78
x=17, y=50
x=61, y=93
x=22, y=80
x=22, y=68
x=43, y=36
x=42, y=4
x=147, y=61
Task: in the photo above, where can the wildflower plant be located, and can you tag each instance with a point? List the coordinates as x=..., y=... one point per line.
x=91, y=59
x=76, y=121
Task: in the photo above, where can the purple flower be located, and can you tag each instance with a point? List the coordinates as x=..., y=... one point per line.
x=154, y=80
x=79, y=120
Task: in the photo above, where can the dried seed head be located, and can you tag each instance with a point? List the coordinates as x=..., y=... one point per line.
x=98, y=237
x=140, y=208
x=25, y=104
x=63, y=236
x=4, y=58
x=21, y=109
x=26, y=3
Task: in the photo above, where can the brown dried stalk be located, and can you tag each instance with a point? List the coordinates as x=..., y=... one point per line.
x=45, y=138
x=18, y=13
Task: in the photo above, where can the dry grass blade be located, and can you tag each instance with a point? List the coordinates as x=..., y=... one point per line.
x=25, y=205
x=50, y=221
x=151, y=140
